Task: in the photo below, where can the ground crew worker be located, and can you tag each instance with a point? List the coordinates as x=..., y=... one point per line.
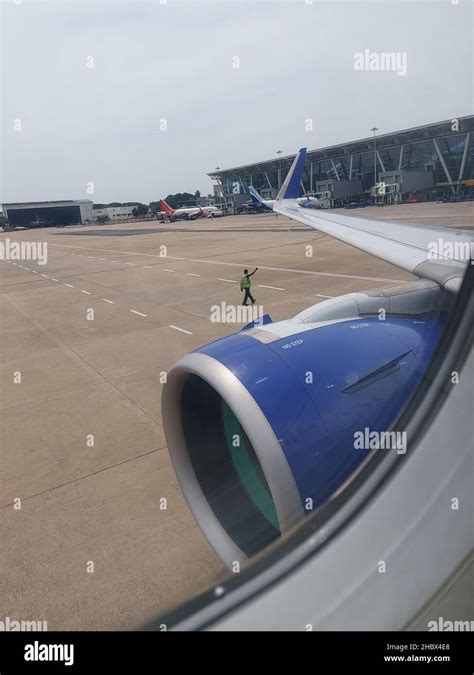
x=245, y=286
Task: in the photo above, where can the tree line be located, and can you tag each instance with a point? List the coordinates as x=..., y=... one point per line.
x=174, y=200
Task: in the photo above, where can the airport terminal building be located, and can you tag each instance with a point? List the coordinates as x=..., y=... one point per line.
x=48, y=214
x=421, y=163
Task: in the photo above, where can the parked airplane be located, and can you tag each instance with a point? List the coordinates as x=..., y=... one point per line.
x=258, y=202
x=190, y=213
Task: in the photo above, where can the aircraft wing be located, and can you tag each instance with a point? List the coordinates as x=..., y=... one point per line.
x=436, y=253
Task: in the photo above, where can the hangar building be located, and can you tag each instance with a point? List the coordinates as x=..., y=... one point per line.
x=48, y=214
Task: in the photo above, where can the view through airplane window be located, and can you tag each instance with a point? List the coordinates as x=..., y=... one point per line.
x=236, y=243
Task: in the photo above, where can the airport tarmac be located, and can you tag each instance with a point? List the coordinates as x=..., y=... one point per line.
x=103, y=538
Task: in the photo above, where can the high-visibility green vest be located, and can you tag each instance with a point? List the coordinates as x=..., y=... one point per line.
x=244, y=282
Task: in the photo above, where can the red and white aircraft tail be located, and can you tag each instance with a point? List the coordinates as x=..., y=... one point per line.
x=166, y=207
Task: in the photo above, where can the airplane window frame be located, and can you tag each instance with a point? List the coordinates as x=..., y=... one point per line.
x=286, y=554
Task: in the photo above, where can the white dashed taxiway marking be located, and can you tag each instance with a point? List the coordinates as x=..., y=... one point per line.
x=229, y=281
x=188, y=332
x=70, y=285
x=273, y=288
x=236, y=264
x=139, y=313
x=190, y=274
x=165, y=270
x=111, y=302
x=318, y=295
x=86, y=292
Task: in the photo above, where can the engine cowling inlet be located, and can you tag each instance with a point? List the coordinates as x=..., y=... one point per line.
x=260, y=425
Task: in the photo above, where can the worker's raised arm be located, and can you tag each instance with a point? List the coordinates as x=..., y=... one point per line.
x=253, y=272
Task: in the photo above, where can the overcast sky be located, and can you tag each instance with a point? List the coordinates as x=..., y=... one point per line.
x=175, y=62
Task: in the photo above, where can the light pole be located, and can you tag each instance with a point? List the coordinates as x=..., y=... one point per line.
x=279, y=168
x=374, y=129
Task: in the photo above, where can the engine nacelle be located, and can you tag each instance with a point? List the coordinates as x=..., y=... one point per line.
x=261, y=424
